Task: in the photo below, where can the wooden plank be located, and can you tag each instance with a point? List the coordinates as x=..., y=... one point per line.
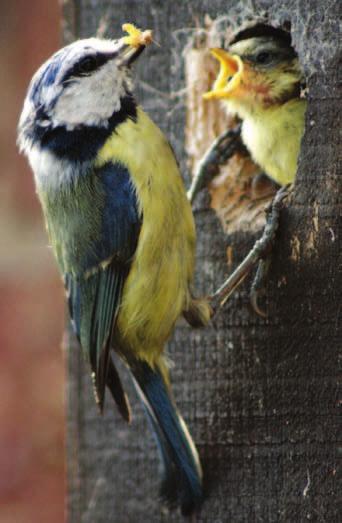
x=260, y=396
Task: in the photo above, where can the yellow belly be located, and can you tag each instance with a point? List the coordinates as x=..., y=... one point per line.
x=157, y=288
x=273, y=137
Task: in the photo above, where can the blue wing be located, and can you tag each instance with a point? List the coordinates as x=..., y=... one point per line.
x=94, y=295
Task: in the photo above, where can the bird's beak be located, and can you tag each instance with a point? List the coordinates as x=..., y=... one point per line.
x=229, y=77
x=128, y=54
x=131, y=46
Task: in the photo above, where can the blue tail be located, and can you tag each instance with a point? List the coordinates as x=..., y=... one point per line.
x=182, y=475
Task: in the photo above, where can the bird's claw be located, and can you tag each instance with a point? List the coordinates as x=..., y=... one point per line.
x=258, y=285
x=260, y=253
x=253, y=298
x=266, y=246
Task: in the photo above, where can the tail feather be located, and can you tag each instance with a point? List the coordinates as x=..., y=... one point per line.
x=182, y=474
x=168, y=488
x=113, y=382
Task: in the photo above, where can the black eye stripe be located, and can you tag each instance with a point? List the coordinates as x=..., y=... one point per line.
x=87, y=65
x=269, y=56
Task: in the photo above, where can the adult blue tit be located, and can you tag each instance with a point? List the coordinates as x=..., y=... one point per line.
x=121, y=230
x=259, y=80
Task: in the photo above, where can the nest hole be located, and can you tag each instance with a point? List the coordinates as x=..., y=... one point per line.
x=238, y=193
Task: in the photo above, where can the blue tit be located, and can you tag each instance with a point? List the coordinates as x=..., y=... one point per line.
x=122, y=232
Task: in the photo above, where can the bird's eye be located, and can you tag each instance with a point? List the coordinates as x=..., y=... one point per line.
x=264, y=57
x=87, y=65
x=84, y=67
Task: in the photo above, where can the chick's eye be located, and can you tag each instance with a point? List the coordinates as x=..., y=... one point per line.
x=264, y=57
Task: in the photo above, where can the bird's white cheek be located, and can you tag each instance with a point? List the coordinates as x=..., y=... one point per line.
x=90, y=100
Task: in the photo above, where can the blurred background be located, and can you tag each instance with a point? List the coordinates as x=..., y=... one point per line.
x=32, y=480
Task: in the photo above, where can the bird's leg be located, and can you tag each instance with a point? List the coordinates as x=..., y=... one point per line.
x=223, y=148
x=258, y=254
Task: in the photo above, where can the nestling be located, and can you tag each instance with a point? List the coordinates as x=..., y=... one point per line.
x=121, y=230
x=260, y=80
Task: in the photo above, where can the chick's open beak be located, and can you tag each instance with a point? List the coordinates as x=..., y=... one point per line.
x=229, y=77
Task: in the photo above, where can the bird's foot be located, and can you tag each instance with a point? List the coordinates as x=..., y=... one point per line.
x=260, y=253
x=222, y=149
x=267, y=239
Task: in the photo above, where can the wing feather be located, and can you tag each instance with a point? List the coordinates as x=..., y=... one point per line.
x=94, y=295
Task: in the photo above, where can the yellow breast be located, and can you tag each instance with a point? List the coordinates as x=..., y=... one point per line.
x=273, y=138
x=157, y=288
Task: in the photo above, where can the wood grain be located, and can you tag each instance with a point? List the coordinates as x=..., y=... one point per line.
x=260, y=396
